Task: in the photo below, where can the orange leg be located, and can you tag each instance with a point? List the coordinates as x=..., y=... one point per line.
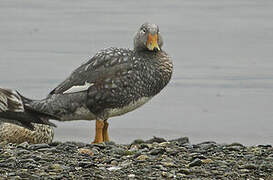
x=105, y=132
x=99, y=131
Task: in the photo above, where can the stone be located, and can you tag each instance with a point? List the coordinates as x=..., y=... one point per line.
x=248, y=166
x=56, y=167
x=168, y=164
x=156, y=139
x=114, y=168
x=184, y=171
x=131, y=176
x=207, y=161
x=86, y=151
x=181, y=141
x=195, y=162
x=142, y=157
x=138, y=141
x=38, y=146
x=157, y=151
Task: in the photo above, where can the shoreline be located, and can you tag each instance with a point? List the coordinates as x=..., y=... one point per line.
x=156, y=158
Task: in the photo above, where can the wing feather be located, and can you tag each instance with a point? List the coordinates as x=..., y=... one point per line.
x=104, y=64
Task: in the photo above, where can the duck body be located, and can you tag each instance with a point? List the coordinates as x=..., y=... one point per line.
x=115, y=81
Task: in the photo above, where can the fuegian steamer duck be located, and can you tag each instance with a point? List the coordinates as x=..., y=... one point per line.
x=113, y=82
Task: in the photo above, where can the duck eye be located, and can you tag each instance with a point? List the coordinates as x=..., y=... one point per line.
x=143, y=30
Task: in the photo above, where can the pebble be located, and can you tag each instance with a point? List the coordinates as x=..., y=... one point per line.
x=168, y=164
x=195, y=162
x=157, y=151
x=114, y=168
x=131, y=176
x=37, y=146
x=156, y=158
x=249, y=166
x=86, y=151
x=142, y=157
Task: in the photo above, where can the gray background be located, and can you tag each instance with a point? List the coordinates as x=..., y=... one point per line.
x=222, y=87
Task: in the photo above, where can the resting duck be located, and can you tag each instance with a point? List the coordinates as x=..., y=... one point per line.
x=16, y=134
x=23, y=127
x=113, y=82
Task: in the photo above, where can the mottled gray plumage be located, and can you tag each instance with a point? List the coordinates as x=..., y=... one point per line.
x=12, y=110
x=113, y=82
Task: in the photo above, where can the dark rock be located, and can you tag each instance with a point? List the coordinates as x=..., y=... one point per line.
x=249, y=166
x=85, y=164
x=236, y=144
x=110, y=143
x=195, y=162
x=157, y=151
x=265, y=146
x=118, y=151
x=23, y=145
x=55, y=143
x=197, y=155
x=156, y=139
x=207, y=145
x=137, y=141
x=234, y=148
x=38, y=146
x=100, y=146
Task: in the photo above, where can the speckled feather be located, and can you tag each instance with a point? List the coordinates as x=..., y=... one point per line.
x=119, y=77
x=17, y=134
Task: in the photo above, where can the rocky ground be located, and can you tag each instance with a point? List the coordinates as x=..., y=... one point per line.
x=156, y=158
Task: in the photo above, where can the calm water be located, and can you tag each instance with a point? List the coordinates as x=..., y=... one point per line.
x=222, y=88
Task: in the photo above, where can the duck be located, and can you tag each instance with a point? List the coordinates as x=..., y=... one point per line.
x=21, y=128
x=113, y=82
x=39, y=134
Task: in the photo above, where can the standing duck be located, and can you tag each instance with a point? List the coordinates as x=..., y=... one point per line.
x=113, y=82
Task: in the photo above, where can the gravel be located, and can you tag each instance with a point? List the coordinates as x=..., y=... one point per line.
x=156, y=158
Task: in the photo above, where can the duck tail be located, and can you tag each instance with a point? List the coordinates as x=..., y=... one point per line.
x=14, y=109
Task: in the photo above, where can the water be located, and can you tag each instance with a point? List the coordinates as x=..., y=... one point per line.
x=222, y=88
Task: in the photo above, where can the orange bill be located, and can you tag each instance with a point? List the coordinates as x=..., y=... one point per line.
x=152, y=42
